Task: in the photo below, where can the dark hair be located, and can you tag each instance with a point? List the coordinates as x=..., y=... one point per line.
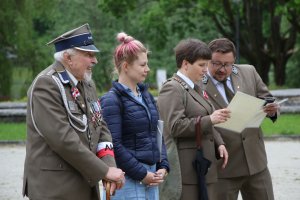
x=191, y=50
x=222, y=45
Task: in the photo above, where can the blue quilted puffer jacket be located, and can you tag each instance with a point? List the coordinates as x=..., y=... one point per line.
x=133, y=132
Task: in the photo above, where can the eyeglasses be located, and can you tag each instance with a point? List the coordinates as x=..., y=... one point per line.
x=220, y=65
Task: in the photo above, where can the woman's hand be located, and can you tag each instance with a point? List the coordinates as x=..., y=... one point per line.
x=223, y=154
x=163, y=172
x=220, y=116
x=152, y=179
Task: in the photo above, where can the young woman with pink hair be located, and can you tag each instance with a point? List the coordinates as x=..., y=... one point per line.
x=132, y=116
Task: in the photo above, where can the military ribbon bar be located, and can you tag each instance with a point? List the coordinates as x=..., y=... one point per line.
x=205, y=94
x=75, y=92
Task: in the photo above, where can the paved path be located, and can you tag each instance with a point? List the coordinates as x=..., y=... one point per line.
x=283, y=156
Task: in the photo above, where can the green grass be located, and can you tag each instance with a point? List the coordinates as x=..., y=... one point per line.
x=12, y=131
x=286, y=124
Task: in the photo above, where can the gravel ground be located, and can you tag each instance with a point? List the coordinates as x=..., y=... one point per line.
x=283, y=156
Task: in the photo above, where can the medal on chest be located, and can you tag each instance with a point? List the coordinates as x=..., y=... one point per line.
x=95, y=109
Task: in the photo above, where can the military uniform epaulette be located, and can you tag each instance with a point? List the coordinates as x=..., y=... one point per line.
x=234, y=70
x=63, y=76
x=168, y=80
x=184, y=85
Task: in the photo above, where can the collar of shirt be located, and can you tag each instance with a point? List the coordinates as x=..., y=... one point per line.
x=217, y=83
x=186, y=79
x=139, y=98
x=131, y=92
x=220, y=86
x=73, y=79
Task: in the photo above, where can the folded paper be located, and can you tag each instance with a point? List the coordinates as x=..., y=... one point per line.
x=246, y=112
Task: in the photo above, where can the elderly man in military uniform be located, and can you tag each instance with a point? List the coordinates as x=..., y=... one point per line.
x=69, y=148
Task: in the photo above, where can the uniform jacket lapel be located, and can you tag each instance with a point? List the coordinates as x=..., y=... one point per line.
x=198, y=97
x=214, y=94
x=237, y=82
x=59, y=68
x=81, y=101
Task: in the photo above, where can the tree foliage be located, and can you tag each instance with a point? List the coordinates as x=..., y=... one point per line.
x=267, y=35
x=264, y=31
x=6, y=10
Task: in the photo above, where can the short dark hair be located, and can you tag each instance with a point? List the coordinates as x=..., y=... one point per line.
x=222, y=45
x=191, y=50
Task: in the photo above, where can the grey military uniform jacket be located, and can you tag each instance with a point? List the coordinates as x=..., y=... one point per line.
x=61, y=161
x=247, y=155
x=179, y=108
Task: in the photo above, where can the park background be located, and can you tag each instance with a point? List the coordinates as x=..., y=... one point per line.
x=265, y=32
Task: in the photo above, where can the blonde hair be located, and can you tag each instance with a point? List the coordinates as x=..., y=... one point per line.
x=127, y=51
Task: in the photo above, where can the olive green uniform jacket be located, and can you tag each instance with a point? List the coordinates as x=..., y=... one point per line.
x=179, y=107
x=61, y=161
x=247, y=154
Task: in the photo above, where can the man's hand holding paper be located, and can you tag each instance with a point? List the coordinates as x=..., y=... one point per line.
x=271, y=108
x=246, y=111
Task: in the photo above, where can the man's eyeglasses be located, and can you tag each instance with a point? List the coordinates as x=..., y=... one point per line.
x=220, y=65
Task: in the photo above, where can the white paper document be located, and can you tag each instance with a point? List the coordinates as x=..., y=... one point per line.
x=282, y=101
x=246, y=112
x=160, y=128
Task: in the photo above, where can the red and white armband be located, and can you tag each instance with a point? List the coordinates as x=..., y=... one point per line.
x=104, y=149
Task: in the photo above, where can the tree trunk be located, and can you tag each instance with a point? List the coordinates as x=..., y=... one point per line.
x=281, y=44
x=258, y=47
x=6, y=78
x=279, y=69
x=252, y=39
x=262, y=66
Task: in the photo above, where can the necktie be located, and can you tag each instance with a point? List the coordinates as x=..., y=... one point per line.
x=197, y=89
x=228, y=92
x=81, y=90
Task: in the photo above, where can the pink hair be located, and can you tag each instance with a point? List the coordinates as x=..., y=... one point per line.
x=127, y=50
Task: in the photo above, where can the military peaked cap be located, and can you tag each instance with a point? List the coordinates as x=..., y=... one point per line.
x=78, y=38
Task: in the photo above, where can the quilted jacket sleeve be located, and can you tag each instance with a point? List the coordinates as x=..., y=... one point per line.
x=112, y=113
